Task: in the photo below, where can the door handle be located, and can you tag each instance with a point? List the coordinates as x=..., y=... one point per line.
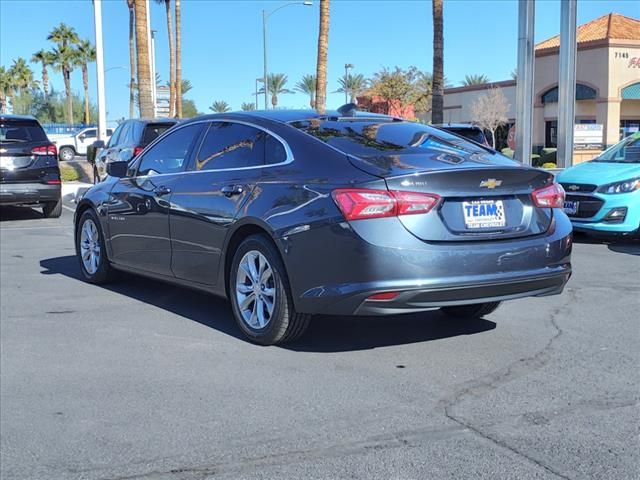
x=231, y=190
x=162, y=190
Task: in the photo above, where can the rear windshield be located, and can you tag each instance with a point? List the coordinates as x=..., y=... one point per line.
x=21, y=132
x=370, y=138
x=471, y=133
x=153, y=131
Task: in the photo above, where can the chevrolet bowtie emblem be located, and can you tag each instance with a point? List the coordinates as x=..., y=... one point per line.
x=490, y=183
x=574, y=187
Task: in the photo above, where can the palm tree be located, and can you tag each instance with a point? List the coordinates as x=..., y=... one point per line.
x=144, y=69
x=185, y=86
x=474, y=80
x=248, y=107
x=6, y=88
x=308, y=86
x=321, y=64
x=64, y=58
x=86, y=54
x=63, y=35
x=276, y=83
x=172, y=58
x=132, y=57
x=353, y=85
x=45, y=58
x=220, y=106
x=437, y=99
x=21, y=78
x=178, y=61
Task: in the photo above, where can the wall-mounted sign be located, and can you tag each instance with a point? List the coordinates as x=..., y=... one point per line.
x=587, y=136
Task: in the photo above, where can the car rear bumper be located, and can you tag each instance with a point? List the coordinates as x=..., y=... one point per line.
x=335, y=269
x=28, y=193
x=414, y=298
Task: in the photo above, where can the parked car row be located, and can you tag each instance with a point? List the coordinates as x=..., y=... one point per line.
x=291, y=213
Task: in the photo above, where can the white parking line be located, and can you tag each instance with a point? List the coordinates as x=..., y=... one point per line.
x=69, y=208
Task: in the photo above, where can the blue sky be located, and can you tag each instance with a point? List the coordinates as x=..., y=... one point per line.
x=222, y=40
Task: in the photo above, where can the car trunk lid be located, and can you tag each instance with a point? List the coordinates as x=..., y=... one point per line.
x=478, y=201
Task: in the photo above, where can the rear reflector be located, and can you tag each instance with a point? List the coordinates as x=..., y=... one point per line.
x=384, y=296
x=360, y=204
x=549, y=197
x=53, y=182
x=45, y=150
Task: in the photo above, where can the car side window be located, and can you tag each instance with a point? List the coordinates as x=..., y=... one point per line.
x=114, y=138
x=229, y=145
x=171, y=153
x=90, y=133
x=123, y=138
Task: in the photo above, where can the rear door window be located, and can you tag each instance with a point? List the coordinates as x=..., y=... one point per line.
x=21, y=132
x=229, y=145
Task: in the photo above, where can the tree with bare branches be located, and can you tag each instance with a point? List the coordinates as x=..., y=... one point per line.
x=490, y=110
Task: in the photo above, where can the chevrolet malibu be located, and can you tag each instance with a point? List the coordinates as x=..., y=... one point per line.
x=290, y=214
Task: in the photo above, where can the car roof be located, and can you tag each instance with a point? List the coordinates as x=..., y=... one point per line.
x=289, y=116
x=10, y=116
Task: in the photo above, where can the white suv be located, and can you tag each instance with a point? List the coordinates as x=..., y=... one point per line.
x=76, y=144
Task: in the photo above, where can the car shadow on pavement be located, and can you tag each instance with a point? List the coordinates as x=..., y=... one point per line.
x=325, y=334
x=9, y=213
x=628, y=246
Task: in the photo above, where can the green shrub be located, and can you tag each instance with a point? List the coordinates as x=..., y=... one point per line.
x=68, y=173
x=508, y=152
x=549, y=165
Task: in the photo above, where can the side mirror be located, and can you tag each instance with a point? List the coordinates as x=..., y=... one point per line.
x=117, y=169
x=99, y=144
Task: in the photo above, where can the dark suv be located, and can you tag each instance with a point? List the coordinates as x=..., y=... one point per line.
x=29, y=172
x=128, y=141
x=466, y=130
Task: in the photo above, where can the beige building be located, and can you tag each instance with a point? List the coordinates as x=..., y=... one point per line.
x=607, y=77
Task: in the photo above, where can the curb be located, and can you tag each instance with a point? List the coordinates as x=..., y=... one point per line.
x=73, y=190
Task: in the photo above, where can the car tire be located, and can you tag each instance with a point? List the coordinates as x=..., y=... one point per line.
x=66, y=154
x=90, y=244
x=471, y=311
x=52, y=209
x=261, y=297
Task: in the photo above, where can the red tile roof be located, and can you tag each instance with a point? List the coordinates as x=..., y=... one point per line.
x=609, y=27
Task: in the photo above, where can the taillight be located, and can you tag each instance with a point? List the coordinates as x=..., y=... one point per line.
x=359, y=204
x=549, y=197
x=137, y=151
x=45, y=150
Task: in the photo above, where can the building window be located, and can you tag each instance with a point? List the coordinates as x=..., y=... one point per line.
x=583, y=92
x=551, y=134
x=631, y=92
x=629, y=127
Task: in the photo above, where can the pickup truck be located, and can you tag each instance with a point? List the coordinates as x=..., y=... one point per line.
x=71, y=145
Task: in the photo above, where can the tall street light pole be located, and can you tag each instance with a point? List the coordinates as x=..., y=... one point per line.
x=347, y=66
x=102, y=107
x=265, y=17
x=258, y=80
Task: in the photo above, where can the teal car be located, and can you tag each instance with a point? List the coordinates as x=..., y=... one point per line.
x=603, y=195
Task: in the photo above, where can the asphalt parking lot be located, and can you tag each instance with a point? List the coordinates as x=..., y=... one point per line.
x=143, y=380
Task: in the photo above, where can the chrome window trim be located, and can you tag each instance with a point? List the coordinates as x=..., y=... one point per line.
x=287, y=149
